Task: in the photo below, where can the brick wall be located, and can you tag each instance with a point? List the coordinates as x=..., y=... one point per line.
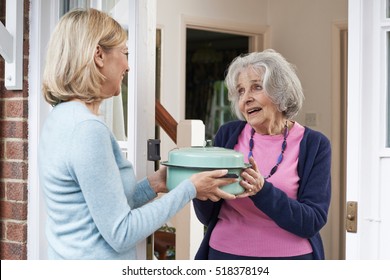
x=14, y=156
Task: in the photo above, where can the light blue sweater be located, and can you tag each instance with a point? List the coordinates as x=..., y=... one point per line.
x=96, y=208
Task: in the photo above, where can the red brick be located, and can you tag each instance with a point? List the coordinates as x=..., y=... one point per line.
x=25, y=60
x=16, y=150
x=2, y=149
x=13, y=251
x=14, y=170
x=13, y=210
x=13, y=129
x=15, y=93
x=2, y=88
x=16, y=231
x=2, y=108
x=15, y=247
x=2, y=11
x=2, y=230
x=26, y=8
x=16, y=191
x=2, y=69
x=16, y=108
x=2, y=190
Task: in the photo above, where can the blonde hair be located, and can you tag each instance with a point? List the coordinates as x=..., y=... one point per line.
x=280, y=81
x=70, y=70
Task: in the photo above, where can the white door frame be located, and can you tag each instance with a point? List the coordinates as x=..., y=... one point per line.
x=43, y=17
x=367, y=159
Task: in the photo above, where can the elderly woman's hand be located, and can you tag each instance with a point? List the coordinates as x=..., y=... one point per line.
x=252, y=180
x=208, y=185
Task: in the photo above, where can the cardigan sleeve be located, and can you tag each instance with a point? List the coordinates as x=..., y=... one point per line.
x=308, y=214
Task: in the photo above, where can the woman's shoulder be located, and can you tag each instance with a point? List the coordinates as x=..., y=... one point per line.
x=312, y=134
x=228, y=133
x=232, y=125
x=78, y=113
x=315, y=139
x=78, y=120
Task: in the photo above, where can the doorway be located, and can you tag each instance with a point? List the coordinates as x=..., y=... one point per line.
x=334, y=232
x=208, y=55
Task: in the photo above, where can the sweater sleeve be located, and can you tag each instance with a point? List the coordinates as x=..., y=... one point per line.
x=143, y=193
x=308, y=214
x=93, y=165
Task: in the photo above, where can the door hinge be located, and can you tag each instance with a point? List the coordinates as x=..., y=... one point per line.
x=351, y=218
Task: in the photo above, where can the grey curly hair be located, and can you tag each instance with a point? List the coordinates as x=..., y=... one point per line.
x=280, y=81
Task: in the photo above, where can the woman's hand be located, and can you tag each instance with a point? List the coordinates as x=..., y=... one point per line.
x=157, y=180
x=208, y=185
x=252, y=180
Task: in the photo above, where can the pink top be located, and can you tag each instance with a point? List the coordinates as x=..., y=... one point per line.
x=243, y=229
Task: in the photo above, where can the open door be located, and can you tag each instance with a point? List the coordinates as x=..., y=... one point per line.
x=368, y=149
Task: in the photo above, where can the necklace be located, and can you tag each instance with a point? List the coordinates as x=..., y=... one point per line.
x=280, y=158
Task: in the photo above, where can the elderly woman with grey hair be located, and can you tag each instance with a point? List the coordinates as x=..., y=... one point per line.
x=288, y=187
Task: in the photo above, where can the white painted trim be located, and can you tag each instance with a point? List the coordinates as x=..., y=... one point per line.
x=141, y=88
x=13, y=51
x=354, y=141
x=384, y=153
x=141, y=99
x=40, y=29
x=384, y=84
x=224, y=26
x=364, y=181
x=6, y=44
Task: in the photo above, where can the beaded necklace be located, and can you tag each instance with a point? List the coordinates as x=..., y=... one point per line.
x=280, y=158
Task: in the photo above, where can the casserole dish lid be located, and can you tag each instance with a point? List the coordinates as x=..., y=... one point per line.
x=205, y=157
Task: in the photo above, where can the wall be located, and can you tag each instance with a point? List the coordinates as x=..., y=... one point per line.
x=13, y=157
x=302, y=31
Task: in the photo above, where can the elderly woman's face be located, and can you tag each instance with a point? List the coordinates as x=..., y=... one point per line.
x=257, y=108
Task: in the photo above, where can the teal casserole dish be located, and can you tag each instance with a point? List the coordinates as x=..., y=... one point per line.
x=184, y=162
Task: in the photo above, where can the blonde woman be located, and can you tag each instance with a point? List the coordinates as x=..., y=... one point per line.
x=96, y=208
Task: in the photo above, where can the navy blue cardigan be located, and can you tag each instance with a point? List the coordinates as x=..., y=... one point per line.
x=304, y=216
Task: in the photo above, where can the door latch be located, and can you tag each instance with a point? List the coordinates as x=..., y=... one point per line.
x=351, y=218
x=154, y=149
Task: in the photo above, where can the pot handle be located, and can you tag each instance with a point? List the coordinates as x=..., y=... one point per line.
x=230, y=175
x=207, y=143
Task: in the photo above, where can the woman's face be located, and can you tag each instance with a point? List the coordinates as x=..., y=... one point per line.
x=114, y=68
x=257, y=108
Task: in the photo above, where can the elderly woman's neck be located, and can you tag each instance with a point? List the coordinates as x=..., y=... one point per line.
x=274, y=127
